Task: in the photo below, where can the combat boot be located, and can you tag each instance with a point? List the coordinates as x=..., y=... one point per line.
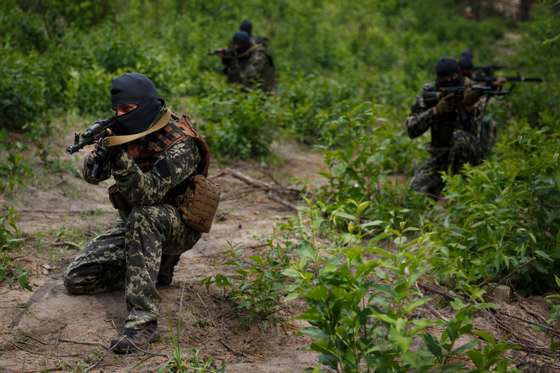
x=166, y=269
x=133, y=340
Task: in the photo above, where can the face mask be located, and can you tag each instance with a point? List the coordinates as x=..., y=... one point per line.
x=134, y=88
x=141, y=118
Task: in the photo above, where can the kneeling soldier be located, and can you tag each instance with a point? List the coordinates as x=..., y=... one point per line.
x=153, y=158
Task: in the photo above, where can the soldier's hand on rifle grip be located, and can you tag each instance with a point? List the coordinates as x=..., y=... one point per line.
x=445, y=105
x=102, y=153
x=471, y=97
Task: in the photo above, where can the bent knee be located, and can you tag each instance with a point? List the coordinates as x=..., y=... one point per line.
x=82, y=280
x=74, y=284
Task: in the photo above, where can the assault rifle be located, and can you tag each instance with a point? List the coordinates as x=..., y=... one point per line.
x=488, y=70
x=518, y=78
x=432, y=97
x=223, y=53
x=91, y=135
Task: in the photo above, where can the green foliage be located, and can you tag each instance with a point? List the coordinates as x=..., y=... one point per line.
x=238, y=124
x=256, y=284
x=195, y=363
x=9, y=241
x=553, y=301
x=538, y=54
x=13, y=165
x=503, y=216
x=362, y=306
x=23, y=90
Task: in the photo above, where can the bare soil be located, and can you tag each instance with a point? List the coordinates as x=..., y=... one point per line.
x=47, y=329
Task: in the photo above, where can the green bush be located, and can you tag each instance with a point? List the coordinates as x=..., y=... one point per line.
x=237, y=124
x=91, y=91
x=257, y=284
x=22, y=90
x=502, y=216
x=362, y=308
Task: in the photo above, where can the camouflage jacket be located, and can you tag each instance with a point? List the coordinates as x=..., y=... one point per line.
x=422, y=118
x=253, y=68
x=157, y=183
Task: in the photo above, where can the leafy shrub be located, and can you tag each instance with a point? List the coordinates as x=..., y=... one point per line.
x=257, y=283
x=503, y=216
x=195, y=363
x=9, y=241
x=91, y=91
x=362, y=303
x=22, y=90
x=21, y=31
x=237, y=124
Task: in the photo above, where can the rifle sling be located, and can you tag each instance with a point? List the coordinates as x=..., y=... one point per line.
x=120, y=140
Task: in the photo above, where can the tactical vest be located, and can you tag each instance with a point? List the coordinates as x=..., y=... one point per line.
x=145, y=151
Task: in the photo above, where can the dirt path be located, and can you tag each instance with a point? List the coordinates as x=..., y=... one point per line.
x=47, y=329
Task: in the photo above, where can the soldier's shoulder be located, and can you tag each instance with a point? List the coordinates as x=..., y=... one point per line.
x=186, y=146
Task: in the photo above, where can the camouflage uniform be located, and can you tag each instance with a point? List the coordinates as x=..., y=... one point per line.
x=151, y=235
x=454, y=142
x=254, y=67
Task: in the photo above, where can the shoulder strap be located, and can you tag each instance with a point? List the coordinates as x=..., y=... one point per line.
x=120, y=140
x=189, y=130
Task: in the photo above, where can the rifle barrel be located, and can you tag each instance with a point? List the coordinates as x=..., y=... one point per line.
x=524, y=79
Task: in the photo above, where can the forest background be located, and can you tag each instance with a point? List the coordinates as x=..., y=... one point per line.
x=348, y=73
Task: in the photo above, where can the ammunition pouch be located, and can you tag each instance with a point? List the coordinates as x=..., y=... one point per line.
x=118, y=201
x=199, y=203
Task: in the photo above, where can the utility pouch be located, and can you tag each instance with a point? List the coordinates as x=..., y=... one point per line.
x=118, y=201
x=199, y=203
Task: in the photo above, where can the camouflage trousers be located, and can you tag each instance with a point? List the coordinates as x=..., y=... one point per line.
x=465, y=148
x=131, y=255
x=488, y=135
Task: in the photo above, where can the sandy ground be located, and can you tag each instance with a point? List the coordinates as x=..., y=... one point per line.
x=48, y=330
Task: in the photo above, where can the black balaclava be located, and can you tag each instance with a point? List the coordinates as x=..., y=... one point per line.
x=445, y=68
x=241, y=42
x=135, y=88
x=466, y=62
x=246, y=26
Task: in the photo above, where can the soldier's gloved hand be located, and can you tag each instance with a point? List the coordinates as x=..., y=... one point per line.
x=471, y=97
x=445, y=105
x=104, y=154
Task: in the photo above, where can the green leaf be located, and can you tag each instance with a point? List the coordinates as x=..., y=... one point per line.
x=23, y=279
x=344, y=215
x=433, y=346
x=485, y=335
x=477, y=358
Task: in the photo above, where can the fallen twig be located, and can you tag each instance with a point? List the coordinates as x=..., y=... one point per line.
x=27, y=335
x=284, y=203
x=66, y=243
x=507, y=277
x=63, y=211
x=232, y=350
x=63, y=340
x=258, y=183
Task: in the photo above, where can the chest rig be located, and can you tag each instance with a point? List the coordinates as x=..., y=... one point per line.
x=196, y=198
x=146, y=151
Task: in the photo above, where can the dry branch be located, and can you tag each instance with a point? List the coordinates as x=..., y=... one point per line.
x=273, y=189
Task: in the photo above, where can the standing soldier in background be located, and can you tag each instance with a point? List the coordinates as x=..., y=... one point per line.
x=452, y=120
x=153, y=159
